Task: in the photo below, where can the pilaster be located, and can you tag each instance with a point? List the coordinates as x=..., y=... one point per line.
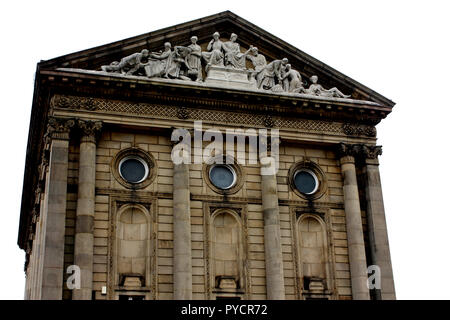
x=376, y=220
x=54, y=215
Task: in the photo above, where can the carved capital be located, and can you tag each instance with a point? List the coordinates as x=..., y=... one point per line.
x=361, y=151
x=347, y=149
x=371, y=152
x=89, y=129
x=59, y=128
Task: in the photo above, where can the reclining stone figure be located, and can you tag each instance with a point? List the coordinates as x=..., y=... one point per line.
x=128, y=65
x=317, y=90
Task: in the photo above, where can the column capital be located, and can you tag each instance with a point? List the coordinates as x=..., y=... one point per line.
x=371, y=153
x=347, y=150
x=89, y=129
x=59, y=128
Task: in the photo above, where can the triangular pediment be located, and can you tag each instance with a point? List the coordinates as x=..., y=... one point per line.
x=226, y=23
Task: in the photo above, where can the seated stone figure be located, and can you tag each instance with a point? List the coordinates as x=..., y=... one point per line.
x=233, y=55
x=157, y=63
x=317, y=90
x=214, y=56
x=128, y=65
x=258, y=61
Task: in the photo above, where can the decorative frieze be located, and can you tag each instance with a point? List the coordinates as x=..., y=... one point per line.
x=176, y=112
x=183, y=113
x=359, y=130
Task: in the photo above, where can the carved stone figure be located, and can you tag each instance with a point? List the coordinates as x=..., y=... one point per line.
x=128, y=65
x=185, y=63
x=292, y=80
x=318, y=90
x=175, y=62
x=270, y=75
x=193, y=60
x=257, y=59
x=233, y=55
x=157, y=64
x=214, y=56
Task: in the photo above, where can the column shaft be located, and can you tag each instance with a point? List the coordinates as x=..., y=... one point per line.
x=355, y=239
x=182, y=256
x=272, y=235
x=84, y=231
x=379, y=243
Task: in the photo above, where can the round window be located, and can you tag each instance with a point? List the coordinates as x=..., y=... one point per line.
x=222, y=176
x=133, y=169
x=306, y=181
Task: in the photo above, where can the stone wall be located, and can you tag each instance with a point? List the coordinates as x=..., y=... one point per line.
x=247, y=200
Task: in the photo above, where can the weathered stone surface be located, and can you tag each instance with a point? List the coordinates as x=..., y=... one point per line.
x=166, y=239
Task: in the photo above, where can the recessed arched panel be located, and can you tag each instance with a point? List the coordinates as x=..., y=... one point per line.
x=132, y=247
x=227, y=252
x=313, y=256
x=312, y=248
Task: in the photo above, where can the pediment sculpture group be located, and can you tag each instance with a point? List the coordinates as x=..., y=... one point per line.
x=186, y=63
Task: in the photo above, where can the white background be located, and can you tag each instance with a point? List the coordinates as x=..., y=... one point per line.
x=397, y=48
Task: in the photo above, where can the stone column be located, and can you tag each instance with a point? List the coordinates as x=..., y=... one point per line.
x=376, y=221
x=54, y=215
x=84, y=229
x=182, y=257
x=355, y=239
x=272, y=233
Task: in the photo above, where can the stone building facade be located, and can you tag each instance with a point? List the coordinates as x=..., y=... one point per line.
x=102, y=192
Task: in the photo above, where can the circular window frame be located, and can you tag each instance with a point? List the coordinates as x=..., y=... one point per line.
x=133, y=157
x=226, y=166
x=235, y=168
x=316, y=180
x=317, y=173
x=145, y=158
